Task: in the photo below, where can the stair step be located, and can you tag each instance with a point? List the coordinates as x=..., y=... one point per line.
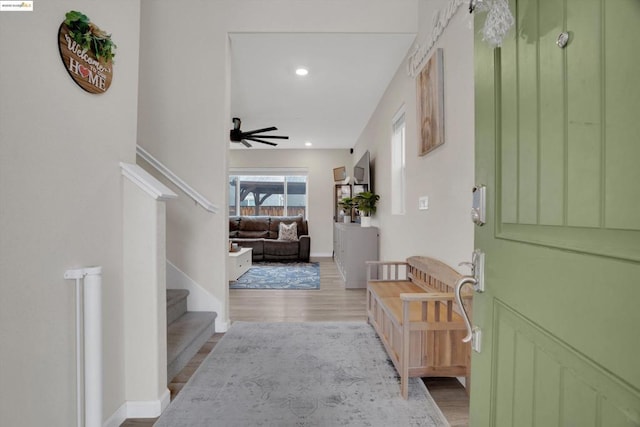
x=176, y=304
x=185, y=336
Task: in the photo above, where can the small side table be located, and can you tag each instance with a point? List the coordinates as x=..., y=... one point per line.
x=239, y=263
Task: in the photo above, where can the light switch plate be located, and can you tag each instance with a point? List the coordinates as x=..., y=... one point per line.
x=423, y=203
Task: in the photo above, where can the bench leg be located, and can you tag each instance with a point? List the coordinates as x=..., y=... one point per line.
x=368, y=306
x=404, y=387
x=404, y=374
x=404, y=357
x=467, y=378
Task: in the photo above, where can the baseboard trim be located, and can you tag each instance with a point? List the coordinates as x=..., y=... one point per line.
x=148, y=408
x=139, y=409
x=222, y=326
x=321, y=255
x=199, y=299
x=117, y=418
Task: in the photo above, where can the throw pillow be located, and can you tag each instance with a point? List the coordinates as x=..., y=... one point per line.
x=288, y=232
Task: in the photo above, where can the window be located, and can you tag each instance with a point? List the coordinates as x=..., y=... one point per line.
x=398, y=164
x=233, y=203
x=268, y=194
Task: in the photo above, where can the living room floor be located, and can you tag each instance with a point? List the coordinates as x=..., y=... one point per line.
x=332, y=302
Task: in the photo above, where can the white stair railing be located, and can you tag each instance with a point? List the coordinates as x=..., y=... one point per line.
x=181, y=184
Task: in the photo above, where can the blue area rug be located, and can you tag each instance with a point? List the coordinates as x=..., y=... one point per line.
x=277, y=275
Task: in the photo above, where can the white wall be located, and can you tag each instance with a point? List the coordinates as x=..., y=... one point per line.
x=445, y=175
x=60, y=206
x=320, y=185
x=184, y=102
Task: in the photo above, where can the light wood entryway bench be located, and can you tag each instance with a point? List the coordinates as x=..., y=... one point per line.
x=412, y=307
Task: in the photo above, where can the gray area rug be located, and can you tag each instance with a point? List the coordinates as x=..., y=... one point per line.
x=280, y=275
x=299, y=374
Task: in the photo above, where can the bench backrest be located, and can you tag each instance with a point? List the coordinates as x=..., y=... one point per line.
x=435, y=276
x=432, y=275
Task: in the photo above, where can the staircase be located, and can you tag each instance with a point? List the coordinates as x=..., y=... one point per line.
x=187, y=331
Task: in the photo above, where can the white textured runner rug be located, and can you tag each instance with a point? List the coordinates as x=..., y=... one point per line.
x=299, y=374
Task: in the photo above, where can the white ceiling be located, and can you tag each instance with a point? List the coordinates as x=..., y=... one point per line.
x=330, y=107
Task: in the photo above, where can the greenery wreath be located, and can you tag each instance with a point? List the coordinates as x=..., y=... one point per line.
x=89, y=36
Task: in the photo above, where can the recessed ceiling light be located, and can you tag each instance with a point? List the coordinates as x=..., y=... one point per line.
x=302, y=71
x=308, y=144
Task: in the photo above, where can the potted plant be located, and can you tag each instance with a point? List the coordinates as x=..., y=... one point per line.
x=366, y=202
x=347, y=204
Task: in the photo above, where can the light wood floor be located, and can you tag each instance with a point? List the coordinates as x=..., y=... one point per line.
x=332, y=302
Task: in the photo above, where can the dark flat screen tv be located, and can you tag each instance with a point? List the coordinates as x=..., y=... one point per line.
x=361, y=172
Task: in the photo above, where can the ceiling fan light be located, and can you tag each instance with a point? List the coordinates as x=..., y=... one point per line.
x=302, y=71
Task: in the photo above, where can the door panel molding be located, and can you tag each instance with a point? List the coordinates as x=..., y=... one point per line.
x=542, y=376
x=618, y=244
x=566, y=130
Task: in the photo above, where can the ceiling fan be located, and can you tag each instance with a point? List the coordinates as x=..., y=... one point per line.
x=237, y=135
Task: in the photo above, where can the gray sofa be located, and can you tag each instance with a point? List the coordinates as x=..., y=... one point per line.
x=261, y=234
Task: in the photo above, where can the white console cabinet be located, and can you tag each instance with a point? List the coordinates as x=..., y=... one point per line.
x=352, y=246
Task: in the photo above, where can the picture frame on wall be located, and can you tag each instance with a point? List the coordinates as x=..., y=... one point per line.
x=430, y=103
x=339, y=174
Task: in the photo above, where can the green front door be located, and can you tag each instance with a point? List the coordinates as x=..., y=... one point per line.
x=558, y=146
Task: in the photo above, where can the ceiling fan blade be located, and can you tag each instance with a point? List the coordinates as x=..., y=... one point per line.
x=237, y=135
x=262, y=141
x=266, y=136
x=252, y=132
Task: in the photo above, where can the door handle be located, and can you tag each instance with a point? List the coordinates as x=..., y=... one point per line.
x=474, y=334
x=477, y=269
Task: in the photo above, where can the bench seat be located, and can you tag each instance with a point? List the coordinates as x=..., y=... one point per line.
x=394, y=288
x=394, y=306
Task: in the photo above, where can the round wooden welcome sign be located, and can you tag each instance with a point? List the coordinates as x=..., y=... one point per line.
x=87, y=52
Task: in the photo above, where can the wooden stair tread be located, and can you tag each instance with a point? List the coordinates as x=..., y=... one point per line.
x=185, y=336
x=176, y=295
x=185, y=329
x=176, y=304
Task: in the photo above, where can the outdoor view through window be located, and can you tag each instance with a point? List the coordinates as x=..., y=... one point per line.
x=252, y=195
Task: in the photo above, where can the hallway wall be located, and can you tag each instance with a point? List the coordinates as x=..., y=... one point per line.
x=445, y=175
x=60, y=206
